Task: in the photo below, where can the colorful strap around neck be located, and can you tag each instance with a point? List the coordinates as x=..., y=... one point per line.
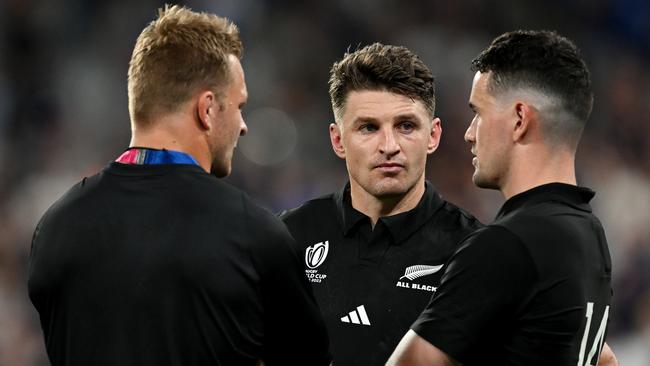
x=143, y=156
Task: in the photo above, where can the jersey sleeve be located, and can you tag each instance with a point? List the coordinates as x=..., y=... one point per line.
x=295, y=332
x=485, y=282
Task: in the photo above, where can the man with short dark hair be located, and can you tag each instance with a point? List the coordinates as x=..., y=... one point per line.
x=154, y=261
x=534, y=287
x=375, y=249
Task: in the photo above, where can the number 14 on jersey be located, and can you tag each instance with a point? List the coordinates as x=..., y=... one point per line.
x=597, y=344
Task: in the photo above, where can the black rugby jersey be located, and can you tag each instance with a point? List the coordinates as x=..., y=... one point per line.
x=532, y=288
x=167, y=265
x=372, y=284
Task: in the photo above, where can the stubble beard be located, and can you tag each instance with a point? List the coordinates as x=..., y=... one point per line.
x=221, y=165
x=482, y=181
x=395, y=188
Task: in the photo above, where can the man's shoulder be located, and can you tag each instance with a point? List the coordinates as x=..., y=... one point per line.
x=76, y=192
x=313, y=219
x=452, y=217
x=316, y=208
x=493, y=245
x=492, y=233
x=76, y=203
x=542, y=220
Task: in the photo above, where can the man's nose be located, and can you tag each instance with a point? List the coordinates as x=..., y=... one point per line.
x=470, y=133
x=244, y=129
x=389, y=144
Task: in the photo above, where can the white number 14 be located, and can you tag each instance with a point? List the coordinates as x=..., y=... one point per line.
x=598, y=341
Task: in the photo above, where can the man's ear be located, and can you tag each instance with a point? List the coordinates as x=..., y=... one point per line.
x=525, y=116
x=434, y=137
x=207, y=108
x=335, y=138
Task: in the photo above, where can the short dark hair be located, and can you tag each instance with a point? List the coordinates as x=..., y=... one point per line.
x=382, y=67
x=542, y=60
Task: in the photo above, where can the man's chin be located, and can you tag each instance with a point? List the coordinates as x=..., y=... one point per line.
x=483, y=182
x=220, y=171
x=390, y=189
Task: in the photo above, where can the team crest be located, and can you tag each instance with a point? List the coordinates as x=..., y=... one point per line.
x=414, y=272
x=315, y=255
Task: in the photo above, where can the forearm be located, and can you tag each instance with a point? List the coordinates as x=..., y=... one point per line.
x=414, y=350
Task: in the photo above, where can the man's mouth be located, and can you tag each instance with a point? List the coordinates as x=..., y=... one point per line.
x=390, y=167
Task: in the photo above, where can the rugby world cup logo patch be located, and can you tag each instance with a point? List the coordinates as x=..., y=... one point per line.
x=316, y=254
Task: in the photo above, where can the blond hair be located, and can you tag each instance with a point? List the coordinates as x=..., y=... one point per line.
x=176, y=55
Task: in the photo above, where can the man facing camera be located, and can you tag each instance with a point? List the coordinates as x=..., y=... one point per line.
x=375, y=249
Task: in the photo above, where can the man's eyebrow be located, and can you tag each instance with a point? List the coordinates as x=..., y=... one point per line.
x=364, y=119
x=472, y=107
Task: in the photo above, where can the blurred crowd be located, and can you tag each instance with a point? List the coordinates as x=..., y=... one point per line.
x=63, y=116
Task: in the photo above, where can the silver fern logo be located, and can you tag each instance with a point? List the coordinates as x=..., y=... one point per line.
x=421, y=270
x=316, y=254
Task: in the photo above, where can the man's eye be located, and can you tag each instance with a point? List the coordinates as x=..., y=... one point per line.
x=367, y=128
x=406, y=126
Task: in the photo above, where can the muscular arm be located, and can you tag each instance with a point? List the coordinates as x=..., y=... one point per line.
x=413, y=350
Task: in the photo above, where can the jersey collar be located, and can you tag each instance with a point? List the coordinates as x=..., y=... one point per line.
x=575, y=196
x=146, y=156
x=400, y=226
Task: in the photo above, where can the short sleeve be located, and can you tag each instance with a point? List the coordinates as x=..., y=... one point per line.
x=484, y=284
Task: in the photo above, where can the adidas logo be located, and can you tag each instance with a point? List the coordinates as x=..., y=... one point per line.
x=357, y=316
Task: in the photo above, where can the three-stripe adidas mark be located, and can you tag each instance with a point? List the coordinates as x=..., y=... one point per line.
x=357, y=316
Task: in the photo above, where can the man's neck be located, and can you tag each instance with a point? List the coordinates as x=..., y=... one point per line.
x=171, y=138
x=538, y=169
x=375, y=207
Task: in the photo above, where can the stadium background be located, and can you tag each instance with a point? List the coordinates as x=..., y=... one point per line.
x=63, y=115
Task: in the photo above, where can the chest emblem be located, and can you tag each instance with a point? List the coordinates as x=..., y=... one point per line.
x=315, y=255
x=422, y=270
x=413, y=272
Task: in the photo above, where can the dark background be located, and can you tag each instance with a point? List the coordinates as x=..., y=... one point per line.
x=63, y=115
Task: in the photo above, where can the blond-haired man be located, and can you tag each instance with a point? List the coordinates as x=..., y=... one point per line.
x=154, y=261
